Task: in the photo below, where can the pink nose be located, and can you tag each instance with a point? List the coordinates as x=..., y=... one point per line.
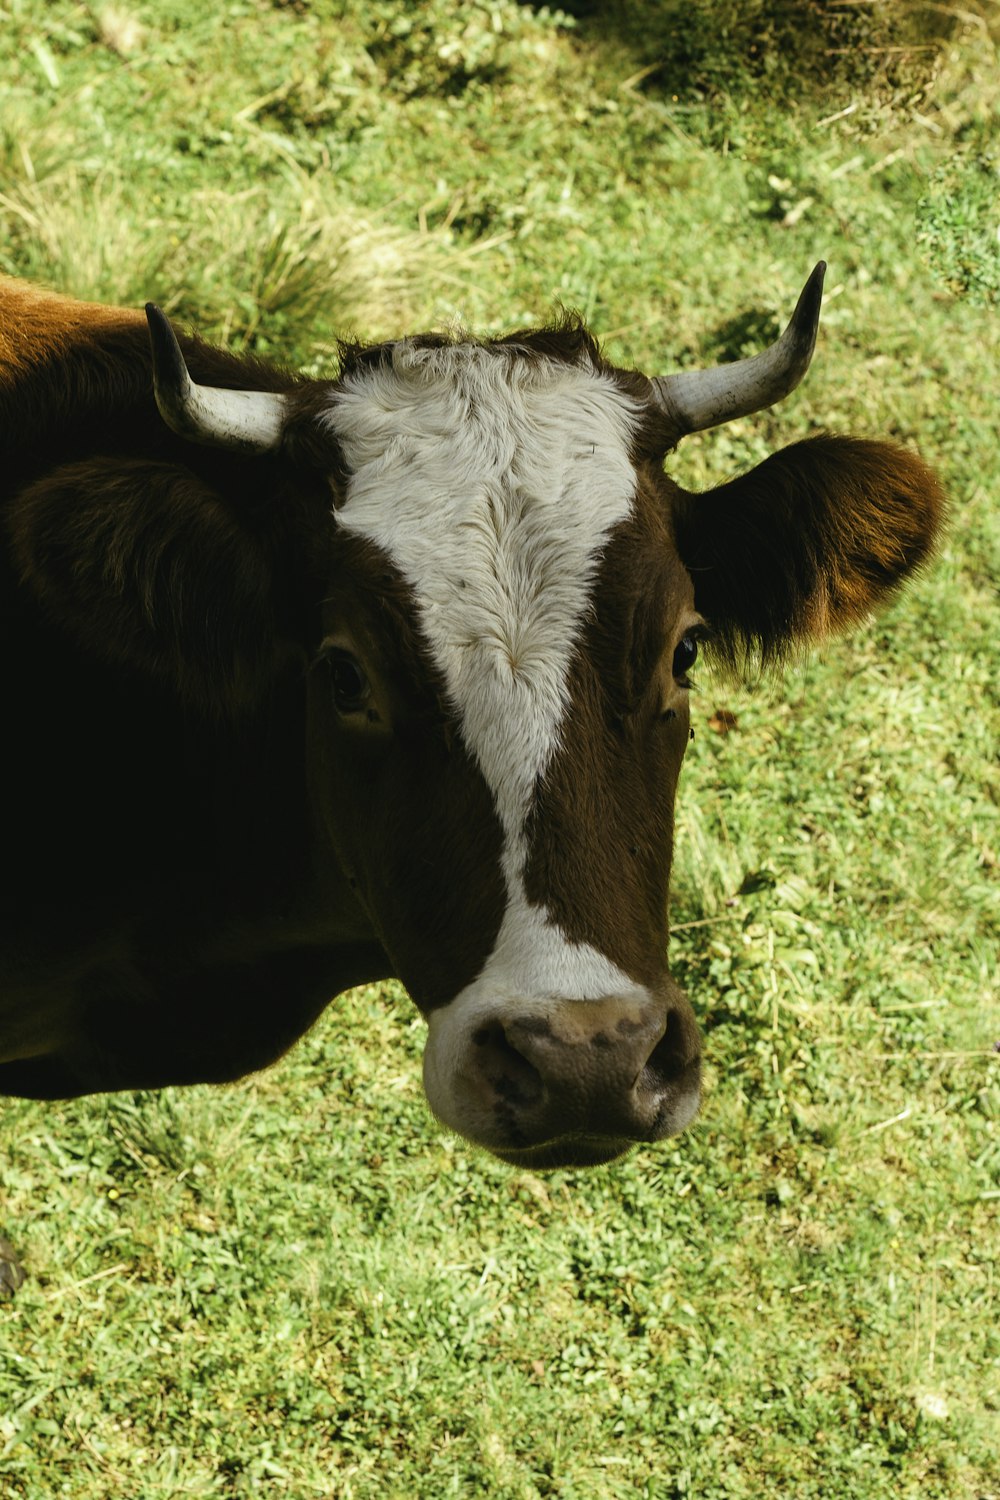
x=601, y=1074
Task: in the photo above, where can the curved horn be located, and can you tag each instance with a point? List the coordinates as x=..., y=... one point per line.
x=696, y=399
x=248, y=421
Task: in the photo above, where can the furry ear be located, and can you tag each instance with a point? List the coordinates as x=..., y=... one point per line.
x=146, y=567
x=807, y=543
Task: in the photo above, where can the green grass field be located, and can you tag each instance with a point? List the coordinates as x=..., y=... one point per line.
x=299, y=1286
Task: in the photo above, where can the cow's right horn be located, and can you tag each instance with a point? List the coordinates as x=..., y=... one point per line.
x=248, y=421
x=696, y=399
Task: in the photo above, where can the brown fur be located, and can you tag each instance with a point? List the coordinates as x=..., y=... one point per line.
x=143, y=564
x=601, y=833
x=42, y=326
x=567, y=340
x=434, y=885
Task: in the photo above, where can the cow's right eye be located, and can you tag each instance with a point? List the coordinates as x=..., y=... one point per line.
x=348, y=683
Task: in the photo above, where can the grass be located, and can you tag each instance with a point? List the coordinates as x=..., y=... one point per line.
x=298, y=1286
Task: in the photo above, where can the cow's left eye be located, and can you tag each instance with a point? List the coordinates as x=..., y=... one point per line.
x=348, y=683
x=685, y=657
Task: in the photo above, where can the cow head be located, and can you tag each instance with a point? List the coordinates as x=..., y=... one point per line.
x=507, y=611
x=508, y=641
x=499, y=699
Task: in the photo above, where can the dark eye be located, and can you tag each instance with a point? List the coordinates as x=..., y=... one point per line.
x=685, y=657
x=348, y=682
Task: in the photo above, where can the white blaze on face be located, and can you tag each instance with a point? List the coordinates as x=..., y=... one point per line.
x=492, y=478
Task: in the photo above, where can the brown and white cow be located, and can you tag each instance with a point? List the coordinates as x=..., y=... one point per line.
x=310, y=683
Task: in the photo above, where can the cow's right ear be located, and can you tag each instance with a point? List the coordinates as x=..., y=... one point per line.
x=145, y=566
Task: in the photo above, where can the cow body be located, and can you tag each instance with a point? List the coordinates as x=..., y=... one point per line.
x=390, y=678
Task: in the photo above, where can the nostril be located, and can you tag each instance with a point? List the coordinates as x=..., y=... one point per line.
x=673, y=1054
x=506, y=1070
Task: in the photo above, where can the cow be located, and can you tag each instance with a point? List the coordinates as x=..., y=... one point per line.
x=312, y=683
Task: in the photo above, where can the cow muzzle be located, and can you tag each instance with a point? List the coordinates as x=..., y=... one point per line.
x=556, y=1082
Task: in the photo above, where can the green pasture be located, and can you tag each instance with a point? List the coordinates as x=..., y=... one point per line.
x=299, y=1286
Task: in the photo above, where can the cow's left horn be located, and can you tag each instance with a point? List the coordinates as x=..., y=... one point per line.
x=696, y=399
x=248, y=421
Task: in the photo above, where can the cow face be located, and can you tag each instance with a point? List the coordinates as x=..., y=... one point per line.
x=503, y=685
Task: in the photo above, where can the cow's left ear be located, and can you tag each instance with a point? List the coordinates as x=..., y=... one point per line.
x=807, y=543
x=144, y=564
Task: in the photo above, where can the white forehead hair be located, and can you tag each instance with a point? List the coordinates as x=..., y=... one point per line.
x=491, y=476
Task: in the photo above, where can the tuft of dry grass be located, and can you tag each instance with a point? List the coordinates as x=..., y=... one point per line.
x=247, y=268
